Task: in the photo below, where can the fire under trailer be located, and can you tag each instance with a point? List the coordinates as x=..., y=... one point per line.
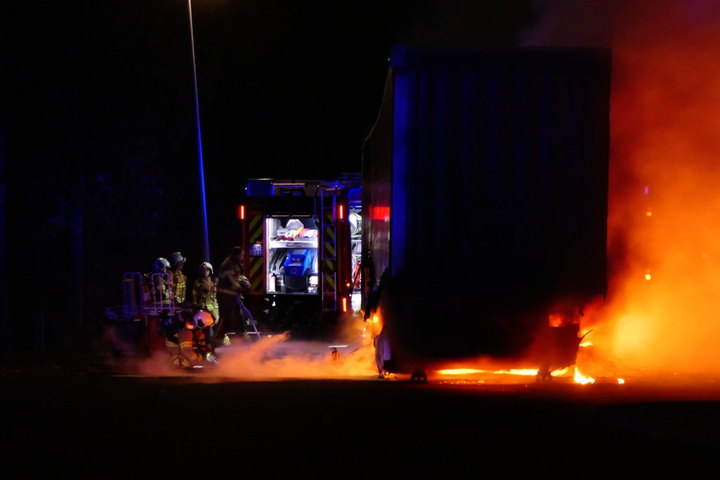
x=485, y=185
x=302, y=241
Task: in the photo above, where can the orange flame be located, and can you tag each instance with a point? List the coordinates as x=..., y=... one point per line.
x=664, y=140
x=531, y=372
x=579, y=378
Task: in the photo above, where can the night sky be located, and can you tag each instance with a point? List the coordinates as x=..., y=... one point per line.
x=97, y=100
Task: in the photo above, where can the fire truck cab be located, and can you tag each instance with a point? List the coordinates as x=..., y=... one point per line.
x=302, y=242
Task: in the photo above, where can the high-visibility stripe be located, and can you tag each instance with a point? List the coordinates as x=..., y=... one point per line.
x=255, y=273
x=329, y=233
x=328, y=267
x=255, y=264
x=255, y=229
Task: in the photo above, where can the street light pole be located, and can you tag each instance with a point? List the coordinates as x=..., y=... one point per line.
x=206, y=244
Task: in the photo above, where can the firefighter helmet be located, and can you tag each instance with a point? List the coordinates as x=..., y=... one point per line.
x=201, y=320
x=176, y=258
x=160, y=264
x=207, y=265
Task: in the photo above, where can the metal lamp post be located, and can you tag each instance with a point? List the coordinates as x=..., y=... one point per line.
x=206, y=244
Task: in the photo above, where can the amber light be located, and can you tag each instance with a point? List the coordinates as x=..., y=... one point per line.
x=241, y=212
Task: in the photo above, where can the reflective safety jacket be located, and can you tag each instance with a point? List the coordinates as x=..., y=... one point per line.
x=191, y=348
x=156, y=289
x=230, y=275
x=179, y=285
x=205, y=293
x=192, y=343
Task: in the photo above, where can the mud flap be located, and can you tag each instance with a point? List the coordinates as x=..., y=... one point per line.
x=559, y=347
x=383, y=356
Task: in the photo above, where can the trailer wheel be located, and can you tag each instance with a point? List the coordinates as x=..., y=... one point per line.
x=418, y=376
x=544, y=375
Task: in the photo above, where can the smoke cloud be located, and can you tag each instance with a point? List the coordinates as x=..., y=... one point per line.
x=661, y=312
x=280, y=357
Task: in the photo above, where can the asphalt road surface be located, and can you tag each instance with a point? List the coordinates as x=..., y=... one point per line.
x=79, y=417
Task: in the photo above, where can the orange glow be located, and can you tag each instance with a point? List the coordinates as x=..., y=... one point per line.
x=375, y=323
x=241, y=212
x=555, y=321
x=579, y=378
x=459, y=371
x=341, y=212
x=664, y=125
x=512, y=371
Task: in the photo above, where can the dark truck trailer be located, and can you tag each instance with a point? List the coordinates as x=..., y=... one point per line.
x=485, y=183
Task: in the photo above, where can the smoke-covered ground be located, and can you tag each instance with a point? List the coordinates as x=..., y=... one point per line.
x=347, y=353
x=279, y=357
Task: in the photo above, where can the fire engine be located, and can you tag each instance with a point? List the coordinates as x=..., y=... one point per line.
x=302, y=243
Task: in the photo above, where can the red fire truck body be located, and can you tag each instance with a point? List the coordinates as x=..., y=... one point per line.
x=302, y=251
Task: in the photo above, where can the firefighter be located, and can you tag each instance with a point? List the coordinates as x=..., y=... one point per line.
x=157, y=282
x=179, y=279
x=190, y=346
x=156, y=293
x=231, y=284
x=205, y=292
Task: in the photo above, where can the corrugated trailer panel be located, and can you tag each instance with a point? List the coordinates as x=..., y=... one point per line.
x=377, y=176
x=498, y=167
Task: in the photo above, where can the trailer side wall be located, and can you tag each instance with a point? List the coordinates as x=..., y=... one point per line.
x=497, y=167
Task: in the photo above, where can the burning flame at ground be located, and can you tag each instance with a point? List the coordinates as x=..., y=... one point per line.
x=663, y=231
x=579, y=378
x=528, y=372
